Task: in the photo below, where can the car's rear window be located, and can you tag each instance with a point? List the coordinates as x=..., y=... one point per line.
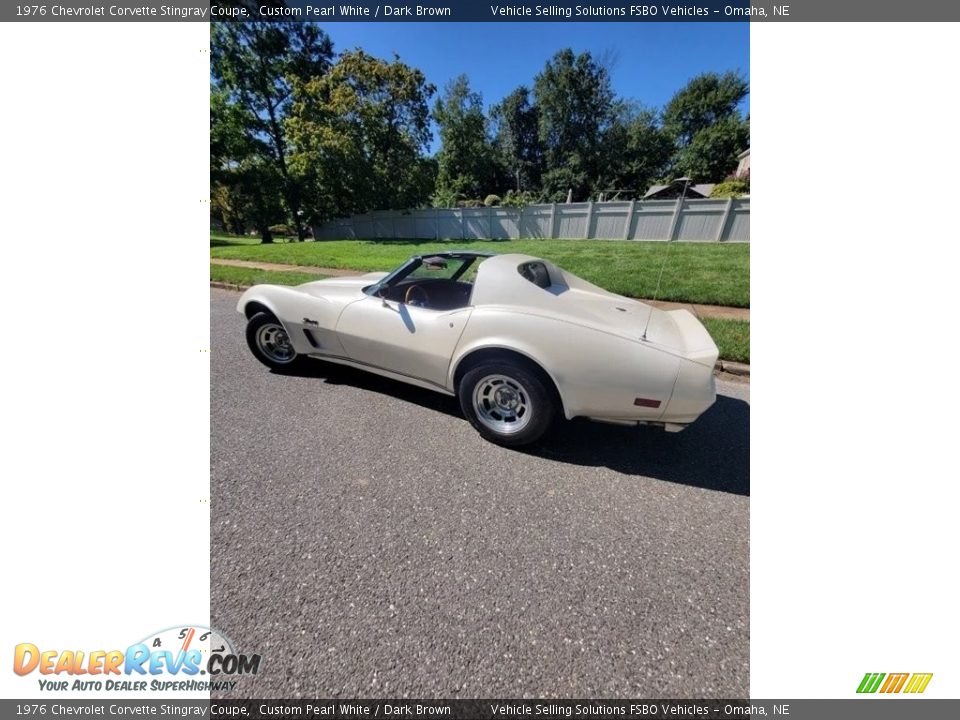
x=537, y=273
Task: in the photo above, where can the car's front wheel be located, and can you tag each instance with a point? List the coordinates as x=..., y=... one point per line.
x=508, y=403
x=270, y=344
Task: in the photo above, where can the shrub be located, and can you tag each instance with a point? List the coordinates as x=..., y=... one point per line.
x=492, y=200
x=730, y=189
x=281, y=229
x=518, y=200
x=444, y=198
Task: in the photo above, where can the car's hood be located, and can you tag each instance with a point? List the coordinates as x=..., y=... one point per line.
x=335, y=287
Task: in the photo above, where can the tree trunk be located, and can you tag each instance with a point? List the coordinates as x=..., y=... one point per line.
x=266, y=237
x=291, y=193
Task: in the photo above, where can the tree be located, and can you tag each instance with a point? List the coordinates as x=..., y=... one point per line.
x=245, y=189
x=517, y=140
x=576, y=107
x=358, y=135
x=705, y=124
x=638, y=149
x=253, y=66
x=712, y=154
x=465, y=164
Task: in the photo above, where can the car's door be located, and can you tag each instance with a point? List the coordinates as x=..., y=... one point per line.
x=413, y=341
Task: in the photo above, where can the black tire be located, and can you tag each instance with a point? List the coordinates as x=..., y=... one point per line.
x=269, y=343
x=508, y=402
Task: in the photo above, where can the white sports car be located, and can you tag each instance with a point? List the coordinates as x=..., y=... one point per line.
x=518, y=340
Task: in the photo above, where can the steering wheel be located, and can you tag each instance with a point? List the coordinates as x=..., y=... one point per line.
x=416, y=296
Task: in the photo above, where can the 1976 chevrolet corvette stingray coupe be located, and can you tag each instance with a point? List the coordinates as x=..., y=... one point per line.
x=518, y=340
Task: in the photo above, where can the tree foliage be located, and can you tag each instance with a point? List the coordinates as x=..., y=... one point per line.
x=516, y=129
x=299, y=136
x=465, y=162
x=638, y=151
x=358, y=135
x=706, y=127
x=254, y=65
x=246, y=189
x=576, y=108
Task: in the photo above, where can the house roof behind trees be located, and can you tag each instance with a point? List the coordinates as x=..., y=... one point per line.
x=675, y=189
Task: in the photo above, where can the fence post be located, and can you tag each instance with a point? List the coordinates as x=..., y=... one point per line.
x=490, y=222
x=586, y=234
x=460, y=216
x=629, y=222
x=553, y=221
x=675, y=221
x=724, y=219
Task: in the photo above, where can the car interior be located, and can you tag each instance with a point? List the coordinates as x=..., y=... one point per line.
x=437, y=283
x=432, y=293
x=449, y=289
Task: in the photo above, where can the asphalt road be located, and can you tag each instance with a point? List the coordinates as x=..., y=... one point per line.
x=367, y=543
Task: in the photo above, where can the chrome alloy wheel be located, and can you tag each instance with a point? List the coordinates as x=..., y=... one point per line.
x=502, y=404
x=274, y=342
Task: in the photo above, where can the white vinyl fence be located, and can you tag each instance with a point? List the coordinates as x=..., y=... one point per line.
x=719, y=220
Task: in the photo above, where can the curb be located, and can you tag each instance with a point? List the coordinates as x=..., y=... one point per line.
x=727, y=366
x=734, y=368
x=228, y=286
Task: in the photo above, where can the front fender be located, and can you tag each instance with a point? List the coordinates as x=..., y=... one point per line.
x=309, y=320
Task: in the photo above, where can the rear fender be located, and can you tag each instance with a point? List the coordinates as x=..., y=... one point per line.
x=597, y=374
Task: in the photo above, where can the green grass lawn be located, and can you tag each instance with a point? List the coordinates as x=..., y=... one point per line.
x=251, y=276
x=709, y=273
x=731, y=336
x=219, y=239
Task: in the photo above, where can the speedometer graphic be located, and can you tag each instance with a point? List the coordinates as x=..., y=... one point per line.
x=192, y=650
x=214, y=648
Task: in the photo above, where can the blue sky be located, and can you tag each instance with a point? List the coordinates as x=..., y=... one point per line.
x=652, y=60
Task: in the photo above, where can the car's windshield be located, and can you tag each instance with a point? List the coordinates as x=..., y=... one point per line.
x=460, y=268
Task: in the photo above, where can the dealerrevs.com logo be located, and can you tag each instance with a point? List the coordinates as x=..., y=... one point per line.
x=185, y=658
x=910, y=683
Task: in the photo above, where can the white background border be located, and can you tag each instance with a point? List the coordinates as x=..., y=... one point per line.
x=105, y=362
x=854, y=322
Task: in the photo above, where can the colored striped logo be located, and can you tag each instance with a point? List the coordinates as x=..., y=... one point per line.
x=894, y=682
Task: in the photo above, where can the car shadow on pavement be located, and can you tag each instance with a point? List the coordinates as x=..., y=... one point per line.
x=712, y=453
x=335, y=374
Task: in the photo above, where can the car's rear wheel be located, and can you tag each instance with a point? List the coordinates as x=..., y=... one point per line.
x=508, y=403
x=270, y=344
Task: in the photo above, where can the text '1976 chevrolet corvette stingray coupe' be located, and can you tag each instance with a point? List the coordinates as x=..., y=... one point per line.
x=519, y=341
